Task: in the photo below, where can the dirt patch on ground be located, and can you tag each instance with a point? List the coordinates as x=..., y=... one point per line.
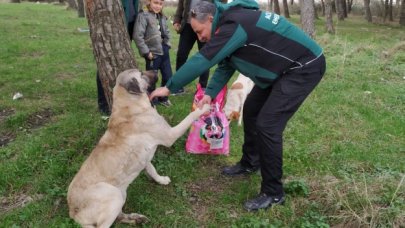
x=17, y=201
x=204, y=192
x=39, y=119
x=6, y=137
x=6, y=113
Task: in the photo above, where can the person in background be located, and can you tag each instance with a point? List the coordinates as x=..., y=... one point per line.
x=152, y=38
x=131, y=8
x=284, y=63
x=181, y=24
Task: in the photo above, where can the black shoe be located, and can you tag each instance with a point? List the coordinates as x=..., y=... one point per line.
x=238, y=169
x=263, y=201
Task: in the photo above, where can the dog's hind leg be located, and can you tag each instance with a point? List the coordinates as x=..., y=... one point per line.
x=151, y=171
x=103, y=203
x=132, y=218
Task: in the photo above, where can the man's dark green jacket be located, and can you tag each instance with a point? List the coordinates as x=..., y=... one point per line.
x=260, y=45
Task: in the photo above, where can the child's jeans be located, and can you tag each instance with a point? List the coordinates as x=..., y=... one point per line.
x=162, y=63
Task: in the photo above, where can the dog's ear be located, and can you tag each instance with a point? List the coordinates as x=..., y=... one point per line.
x=132, y=87
x=152, y=76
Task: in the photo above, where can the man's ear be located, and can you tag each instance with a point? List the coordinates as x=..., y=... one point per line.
x=211, y=18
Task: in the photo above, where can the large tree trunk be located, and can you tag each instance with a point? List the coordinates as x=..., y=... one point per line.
x=402, y=15
x=343, y=2
x=329, y=17
x=285, y=9
x=367, y=10
x=307, y=17
x=80, y=8
x=386, y=9
x=276, y=7
x=111, y=45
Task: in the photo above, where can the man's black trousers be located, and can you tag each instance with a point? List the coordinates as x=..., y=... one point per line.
x=265, y=115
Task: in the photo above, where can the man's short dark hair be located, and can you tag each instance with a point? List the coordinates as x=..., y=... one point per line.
x=202, y=10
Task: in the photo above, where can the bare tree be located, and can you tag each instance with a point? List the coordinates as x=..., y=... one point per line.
x=402, y=14
x=292, y=2
x=343, y=2
x=391, y=14
x=367, y=11
x=329, y=17
x=307, y=17
x=111, y=45
x=276, y=7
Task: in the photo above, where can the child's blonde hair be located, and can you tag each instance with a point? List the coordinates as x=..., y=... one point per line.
x=147, y=5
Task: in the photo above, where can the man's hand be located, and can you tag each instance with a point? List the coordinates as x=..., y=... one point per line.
x=205, y=100
x=176, y=27
x=159, y=92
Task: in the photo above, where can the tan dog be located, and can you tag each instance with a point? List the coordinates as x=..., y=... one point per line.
x=135, y=129
x=236, y=97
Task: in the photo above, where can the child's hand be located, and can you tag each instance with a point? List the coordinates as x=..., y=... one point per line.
x=150, y=56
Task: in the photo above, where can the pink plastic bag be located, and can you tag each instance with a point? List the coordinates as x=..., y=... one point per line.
x=210, y=133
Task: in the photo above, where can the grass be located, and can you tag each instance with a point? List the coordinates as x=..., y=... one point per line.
x=344, y=156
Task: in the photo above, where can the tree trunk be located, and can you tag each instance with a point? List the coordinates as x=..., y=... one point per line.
x=72, y=4
x=323, y=8
x=329, y=17
x=315, y=11
x=80, y=8
x=285, y=9
x=391, y=15
x=386, y=9
x=276, y=7
x=344, y=8
x=292, y=2
x=15, y=1
x=368, y=10
x=349, y=6
x=307, y=17
x=111, y=45
x=402, y=15
x=339, y=10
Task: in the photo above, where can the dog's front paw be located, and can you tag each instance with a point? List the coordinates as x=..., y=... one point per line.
x=206, y=108
x=164, y=180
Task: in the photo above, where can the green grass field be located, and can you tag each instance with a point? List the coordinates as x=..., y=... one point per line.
x=344, y=153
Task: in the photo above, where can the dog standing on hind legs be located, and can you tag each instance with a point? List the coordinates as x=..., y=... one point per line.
x=97, y=193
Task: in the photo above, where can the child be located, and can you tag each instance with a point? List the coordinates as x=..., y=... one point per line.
x=151, y=35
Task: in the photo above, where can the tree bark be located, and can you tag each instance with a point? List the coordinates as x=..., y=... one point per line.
x=315, y=11
x=285, y=9
x=80, y=8
x=307, y=17
x=329, y=17
x=402, y=15
x=367, y=11
x=111, y=45
x=343, y=2
x=339, y=10
x=276, y=7
x=349, y=6
x=72, y=4
x=323, y=8
x=391, y=14
x=292, y=2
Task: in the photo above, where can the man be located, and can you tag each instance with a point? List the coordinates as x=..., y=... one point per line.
x=285, y=65
x=181, y=24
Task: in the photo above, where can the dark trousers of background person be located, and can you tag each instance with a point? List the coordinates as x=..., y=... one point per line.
x=265, y=115
x=162, y=63
x=101, y=99
x=187, y=40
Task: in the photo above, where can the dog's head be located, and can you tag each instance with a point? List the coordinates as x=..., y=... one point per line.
x=136, y=82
